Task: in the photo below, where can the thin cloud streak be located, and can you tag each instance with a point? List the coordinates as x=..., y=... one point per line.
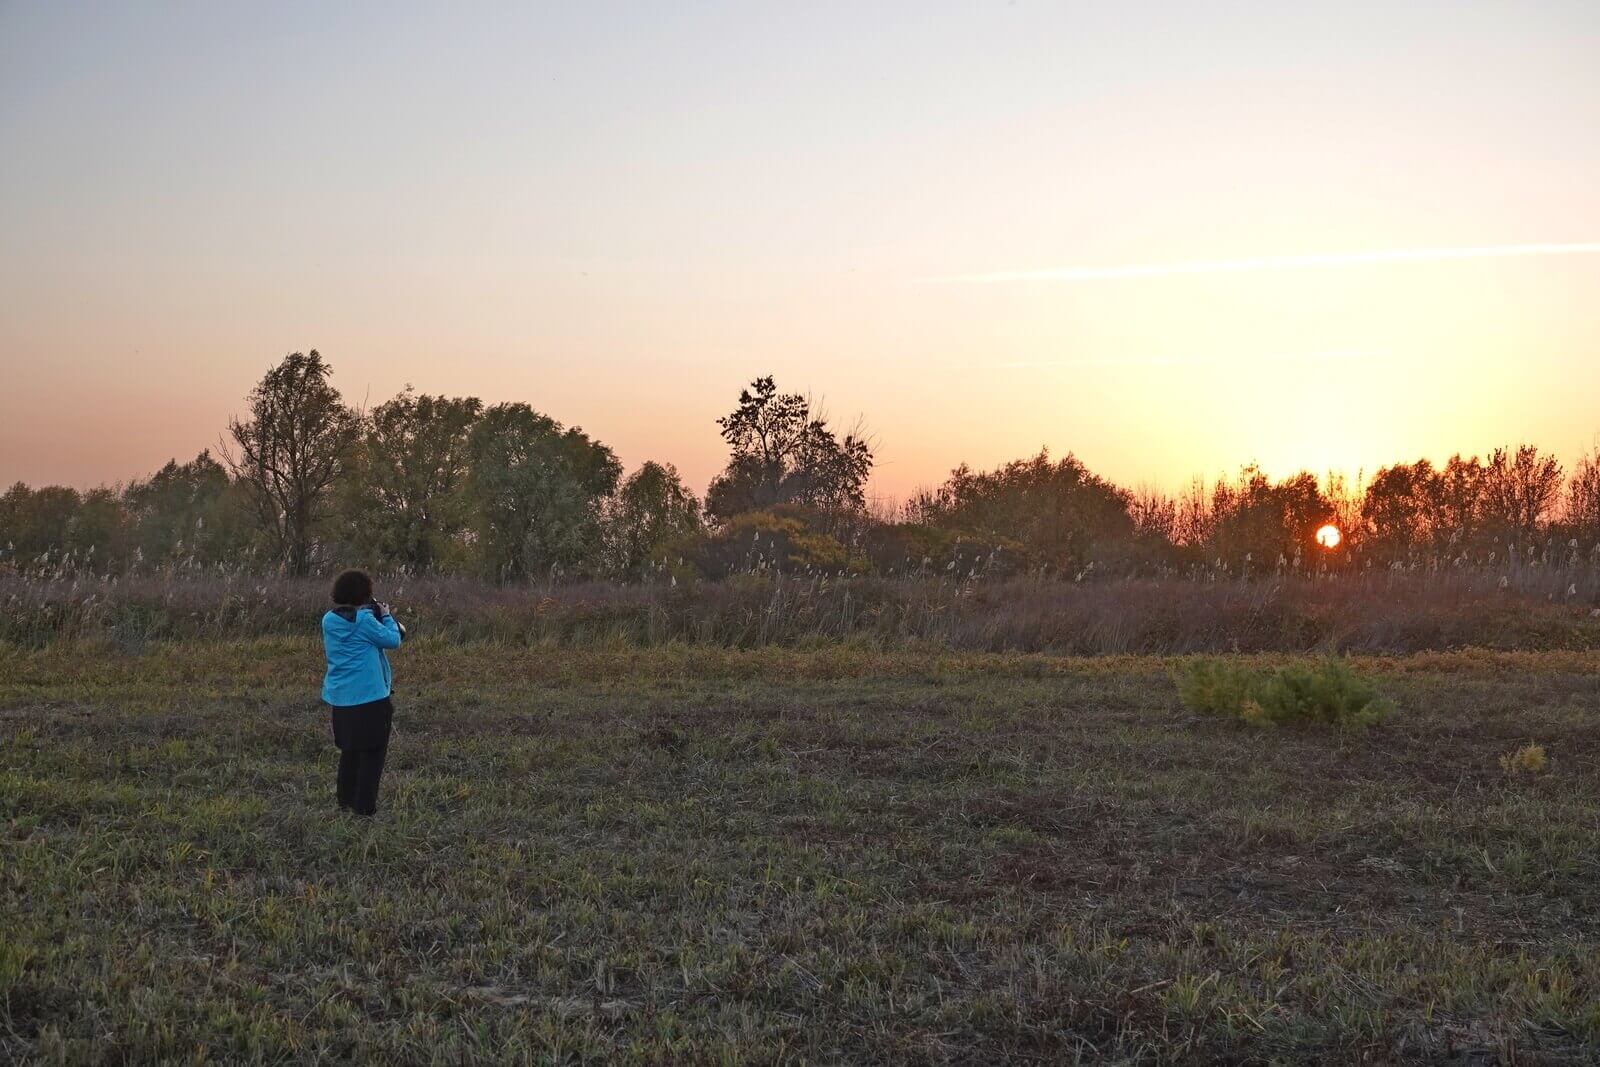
x=1330, y=356
x=1267, y=263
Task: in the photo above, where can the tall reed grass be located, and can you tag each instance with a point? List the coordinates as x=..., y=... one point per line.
x=1377, y=612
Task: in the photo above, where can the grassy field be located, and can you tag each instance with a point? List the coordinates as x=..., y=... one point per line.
x=765, y=855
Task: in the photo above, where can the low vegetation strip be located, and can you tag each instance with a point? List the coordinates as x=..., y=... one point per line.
x=717, y=854
x=1380, y=613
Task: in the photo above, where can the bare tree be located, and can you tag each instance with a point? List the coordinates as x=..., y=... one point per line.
x=291, y=451
x=1520, y=489
x=1191, y=522
x=1583, y=499
x=1154, y=513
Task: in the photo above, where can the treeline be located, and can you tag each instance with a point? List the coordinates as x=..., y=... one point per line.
x=447, y=485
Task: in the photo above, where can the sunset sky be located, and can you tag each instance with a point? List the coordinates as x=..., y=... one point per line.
x=924, y=214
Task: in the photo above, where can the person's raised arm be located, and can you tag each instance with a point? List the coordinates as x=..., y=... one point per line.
x=385, y=632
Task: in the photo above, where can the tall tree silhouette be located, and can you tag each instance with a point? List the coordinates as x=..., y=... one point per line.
x=407, y=500
x=1583, y=500
x=1066, y=515
x=35, y=521
x=536, y=490
x=1520, y=489
x=783, y=452
x=291, y=451
x=187, y=511
x=1402, y=509
x=649, y=509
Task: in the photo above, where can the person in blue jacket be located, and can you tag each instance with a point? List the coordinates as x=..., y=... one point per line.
x=356, y=633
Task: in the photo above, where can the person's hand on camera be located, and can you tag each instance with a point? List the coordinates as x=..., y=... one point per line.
x=387, y=612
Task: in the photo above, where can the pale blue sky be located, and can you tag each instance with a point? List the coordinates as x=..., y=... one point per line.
x=620, y=213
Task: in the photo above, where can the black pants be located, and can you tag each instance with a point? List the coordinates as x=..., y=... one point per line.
x=362, y=733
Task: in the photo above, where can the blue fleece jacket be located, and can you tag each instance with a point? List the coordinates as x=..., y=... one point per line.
x=358, y=670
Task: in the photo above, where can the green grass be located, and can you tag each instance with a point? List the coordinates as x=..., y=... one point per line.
x=789, y=855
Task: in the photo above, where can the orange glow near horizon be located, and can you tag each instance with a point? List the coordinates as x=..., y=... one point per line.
x=1329, y=536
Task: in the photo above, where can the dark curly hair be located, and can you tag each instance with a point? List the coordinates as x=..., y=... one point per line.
x=353, y=588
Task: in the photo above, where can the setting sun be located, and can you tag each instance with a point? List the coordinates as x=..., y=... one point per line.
x=1329, y=536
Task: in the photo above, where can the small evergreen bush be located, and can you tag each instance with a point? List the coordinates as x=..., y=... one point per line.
x=1329, y=692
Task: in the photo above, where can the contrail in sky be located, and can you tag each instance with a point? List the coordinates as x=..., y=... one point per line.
x=1307, y=262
